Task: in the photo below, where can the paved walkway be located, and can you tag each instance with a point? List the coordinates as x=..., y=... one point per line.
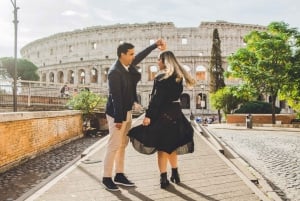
x=205, y=174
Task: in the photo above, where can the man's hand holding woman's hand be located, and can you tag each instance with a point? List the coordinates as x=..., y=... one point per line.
x=146, y=121
x=161, y=45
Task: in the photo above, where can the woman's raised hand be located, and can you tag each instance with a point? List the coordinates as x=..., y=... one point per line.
x=161, y=45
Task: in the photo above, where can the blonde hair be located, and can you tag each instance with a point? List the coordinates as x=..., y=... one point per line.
x=172, y=66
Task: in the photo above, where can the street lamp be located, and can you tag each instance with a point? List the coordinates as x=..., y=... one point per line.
x=14, y=3
x=202, y=103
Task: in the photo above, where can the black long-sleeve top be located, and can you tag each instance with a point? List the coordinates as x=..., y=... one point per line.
x=164, y=92
x=122, y=86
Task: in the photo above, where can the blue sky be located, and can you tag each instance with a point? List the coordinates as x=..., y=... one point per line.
x=41, y=18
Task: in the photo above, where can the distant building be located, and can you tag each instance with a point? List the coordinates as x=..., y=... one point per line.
x=83, y=57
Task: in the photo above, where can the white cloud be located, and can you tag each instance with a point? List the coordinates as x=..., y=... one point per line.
x=74, y=13
x=38, y=19
x=68, y=13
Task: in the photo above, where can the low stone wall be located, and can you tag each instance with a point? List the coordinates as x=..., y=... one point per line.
x=24, y=135
x=260, y=118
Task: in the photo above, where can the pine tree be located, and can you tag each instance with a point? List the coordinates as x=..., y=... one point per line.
x=216, y=71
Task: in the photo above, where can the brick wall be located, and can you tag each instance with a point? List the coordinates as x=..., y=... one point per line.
x=260, y=118
x=24, y=135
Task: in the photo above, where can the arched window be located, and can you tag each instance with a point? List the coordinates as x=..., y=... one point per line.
x=185, y=101
x=81, y=76
x=71, y=76
x=51, y=77
x=60, y=77
x=94, y=75
x=201, y=101
x=200, y=73
x=105, y=74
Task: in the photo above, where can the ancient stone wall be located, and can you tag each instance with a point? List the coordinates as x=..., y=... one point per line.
x=24, y=135
x=83, y=57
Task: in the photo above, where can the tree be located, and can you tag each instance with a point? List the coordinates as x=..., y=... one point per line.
x=89, y=103
x=215, y=70
x=266, y=60
x=224, y=99
x=256, y=107
x=26, y=70
x=291, y=89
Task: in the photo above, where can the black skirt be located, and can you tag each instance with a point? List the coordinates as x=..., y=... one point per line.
x=170, y=132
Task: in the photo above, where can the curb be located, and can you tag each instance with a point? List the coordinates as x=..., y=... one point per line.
x=33, y=193
x=258, y=183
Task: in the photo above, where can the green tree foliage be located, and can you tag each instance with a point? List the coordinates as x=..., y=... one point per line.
x=264, y=64
x=257, y=107
x=88, y=102
x=225, y=100
x=244, y=93
x=216, y=70
x=26, y=70
x=291, y=89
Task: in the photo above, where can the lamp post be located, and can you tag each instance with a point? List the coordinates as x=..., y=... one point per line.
x=202, y=103
x=14, y=3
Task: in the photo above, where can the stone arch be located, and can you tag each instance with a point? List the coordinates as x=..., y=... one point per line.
x=104, y=74
x=94, y=75
x=71, y=76
x=51, y=77
x=60, y=77
x=201, y=101
x=81, y=76
x=200, y=73
x=185, y=101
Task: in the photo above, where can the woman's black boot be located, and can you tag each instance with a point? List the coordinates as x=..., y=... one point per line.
x=164, y=182
x=175, y=176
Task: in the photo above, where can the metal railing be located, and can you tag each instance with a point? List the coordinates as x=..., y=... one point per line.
x=34, y=95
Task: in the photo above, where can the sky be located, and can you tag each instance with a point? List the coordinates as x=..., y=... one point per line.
x=42, y=18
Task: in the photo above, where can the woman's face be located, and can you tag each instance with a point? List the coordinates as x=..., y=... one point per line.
x=161, y=65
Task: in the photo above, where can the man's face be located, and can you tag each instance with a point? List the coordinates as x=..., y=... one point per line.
x=127, y=58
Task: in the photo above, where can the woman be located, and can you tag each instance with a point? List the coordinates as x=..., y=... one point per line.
x=165, y=129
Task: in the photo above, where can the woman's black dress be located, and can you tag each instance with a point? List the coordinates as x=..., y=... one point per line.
x=169, y=129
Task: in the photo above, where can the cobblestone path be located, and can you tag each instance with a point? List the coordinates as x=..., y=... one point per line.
x=276, y=155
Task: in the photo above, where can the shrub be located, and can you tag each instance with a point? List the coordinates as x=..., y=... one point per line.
x=257, y=107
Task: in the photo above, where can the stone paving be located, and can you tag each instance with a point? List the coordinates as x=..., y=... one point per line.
x=21, y=179
x=205, y=175
x=272, y=151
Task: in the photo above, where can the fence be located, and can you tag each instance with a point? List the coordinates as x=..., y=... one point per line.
x=34, y=95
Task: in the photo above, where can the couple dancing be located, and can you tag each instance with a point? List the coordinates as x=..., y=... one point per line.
x=165, y=129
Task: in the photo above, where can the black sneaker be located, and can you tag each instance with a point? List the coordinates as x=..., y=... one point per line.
x=109, y=184
x=121, y=179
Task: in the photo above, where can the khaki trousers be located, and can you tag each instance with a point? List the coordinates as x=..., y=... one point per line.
x=117, y=142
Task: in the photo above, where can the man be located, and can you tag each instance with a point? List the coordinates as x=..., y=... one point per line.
x=122, y=81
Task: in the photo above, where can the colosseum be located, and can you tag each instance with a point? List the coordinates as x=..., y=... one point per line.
x=82, y=57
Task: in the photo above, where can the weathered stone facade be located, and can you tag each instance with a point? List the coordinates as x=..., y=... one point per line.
x=83, y=57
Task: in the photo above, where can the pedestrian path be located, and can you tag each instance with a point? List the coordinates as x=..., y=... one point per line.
x=205, y=175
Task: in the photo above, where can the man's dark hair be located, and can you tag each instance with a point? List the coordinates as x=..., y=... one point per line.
x=123, y=48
